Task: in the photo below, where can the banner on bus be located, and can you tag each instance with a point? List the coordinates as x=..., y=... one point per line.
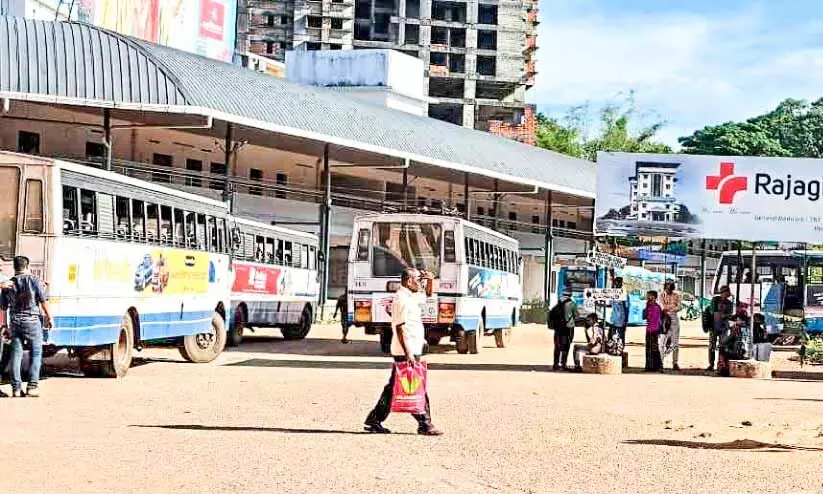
x=258, y=279
x=719, y=197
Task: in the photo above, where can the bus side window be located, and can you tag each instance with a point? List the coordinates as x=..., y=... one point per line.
x=88, y=212
x=33, y=214
x=288, y=255
x=449, y=254
x=477, y=257
x=279, y=252
x=304, y=257
x=191, y=230
x=221, y=236
x=270, y=257
x=70, y=211
x=260, y=249
x=166, y=237
x=138, y=214
x=363, y=241
x=211, y=232
x=123, y=216
x=202, y=237
x=152, y=223
x=249, y=247
x=467, y=250
x=312, y=257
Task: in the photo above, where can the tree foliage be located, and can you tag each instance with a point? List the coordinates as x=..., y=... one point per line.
x=793, y=129
x=569, y=134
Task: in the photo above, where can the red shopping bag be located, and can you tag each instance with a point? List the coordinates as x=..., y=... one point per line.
x=409, y=392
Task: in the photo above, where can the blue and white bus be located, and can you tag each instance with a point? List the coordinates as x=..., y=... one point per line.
x=477, y=276
x=127, y=263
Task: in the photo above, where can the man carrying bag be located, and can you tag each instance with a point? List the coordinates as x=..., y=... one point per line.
x=406, y=350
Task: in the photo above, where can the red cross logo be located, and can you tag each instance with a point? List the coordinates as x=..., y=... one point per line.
x=727, y=183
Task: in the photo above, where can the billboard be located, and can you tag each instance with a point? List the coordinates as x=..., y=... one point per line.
x=204, y=27
x=718, y=197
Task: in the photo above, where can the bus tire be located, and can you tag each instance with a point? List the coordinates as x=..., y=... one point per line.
x=386, y=336
x=461, y=342
x=301, y=329
x=433, y=340
x=502, y=337
x=476, y=338
x=238, y=325
x=120, y=354
x=205, y=347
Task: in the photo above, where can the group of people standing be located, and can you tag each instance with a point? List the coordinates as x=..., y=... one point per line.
x=732, y=334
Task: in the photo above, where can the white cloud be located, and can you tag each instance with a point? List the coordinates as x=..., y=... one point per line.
x=691, y=69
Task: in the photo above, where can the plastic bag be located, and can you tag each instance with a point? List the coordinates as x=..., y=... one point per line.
x=409, y=391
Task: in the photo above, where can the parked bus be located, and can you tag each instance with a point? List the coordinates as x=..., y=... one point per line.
x=779, y=285
x=477, y=276
x=127, y=263
x=275, y=279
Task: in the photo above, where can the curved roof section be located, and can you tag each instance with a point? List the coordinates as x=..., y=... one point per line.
x=80, y=61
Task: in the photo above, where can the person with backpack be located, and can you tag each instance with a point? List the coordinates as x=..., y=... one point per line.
x=562, y=318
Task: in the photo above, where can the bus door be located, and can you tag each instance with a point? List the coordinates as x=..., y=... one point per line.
x=32, y=218
x=813, y=294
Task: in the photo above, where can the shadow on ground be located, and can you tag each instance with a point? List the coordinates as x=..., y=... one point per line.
x=738, y=445
x=326, y=347
x=227, y=428
x=382, y=365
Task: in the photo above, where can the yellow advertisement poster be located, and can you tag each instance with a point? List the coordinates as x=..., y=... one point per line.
x=157, y=272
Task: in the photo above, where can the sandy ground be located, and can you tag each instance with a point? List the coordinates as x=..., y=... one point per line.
x=276, y=416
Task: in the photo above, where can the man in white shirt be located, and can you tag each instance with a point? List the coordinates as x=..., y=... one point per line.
x=406, y=346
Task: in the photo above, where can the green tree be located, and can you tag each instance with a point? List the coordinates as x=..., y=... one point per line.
x=569, y=134
x=793, y=129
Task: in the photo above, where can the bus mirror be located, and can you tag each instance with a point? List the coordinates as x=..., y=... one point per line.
x=321, y=257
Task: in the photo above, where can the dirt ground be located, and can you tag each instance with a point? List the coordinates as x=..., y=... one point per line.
x=277, y=416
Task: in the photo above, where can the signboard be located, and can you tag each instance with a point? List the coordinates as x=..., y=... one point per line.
x=594, y=297
x=720, y=197
x=658, y=257
x=204, y=27
x=606, y=260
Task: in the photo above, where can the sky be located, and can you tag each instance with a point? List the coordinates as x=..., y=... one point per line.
x=690, y=63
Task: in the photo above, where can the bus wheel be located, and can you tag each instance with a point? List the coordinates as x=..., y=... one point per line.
x=433, y=340
x=117, y=356
x=237, y=327
x=462, y=342
x=476, y=338
x=301, y=329
x=205, y=347
x=502, y=337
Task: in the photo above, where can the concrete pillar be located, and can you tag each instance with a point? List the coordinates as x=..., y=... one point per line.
x=325, y=232
x=548, y=249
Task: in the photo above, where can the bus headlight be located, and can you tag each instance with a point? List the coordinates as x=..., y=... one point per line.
x=445, y=312
x=362, y=311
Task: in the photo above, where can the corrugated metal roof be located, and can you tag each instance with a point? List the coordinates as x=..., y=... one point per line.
x=81, y=61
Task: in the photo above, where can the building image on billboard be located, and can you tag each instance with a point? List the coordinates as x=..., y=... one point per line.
x=204, y=27
x=639, y=196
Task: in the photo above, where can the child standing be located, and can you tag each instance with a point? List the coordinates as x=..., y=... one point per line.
x=653, y=314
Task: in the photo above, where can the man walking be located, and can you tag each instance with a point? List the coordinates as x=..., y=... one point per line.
x=722, y=310
x=562, y=319
x=406, y=346
x=671, y=308
x=343, y=307
x=26, y=302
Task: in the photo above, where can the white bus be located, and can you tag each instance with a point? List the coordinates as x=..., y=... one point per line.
x=275, y=279
x=477, y=276
x=127, y=263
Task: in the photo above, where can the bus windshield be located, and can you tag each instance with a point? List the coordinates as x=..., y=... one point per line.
x=398, y=246
x=8, y=211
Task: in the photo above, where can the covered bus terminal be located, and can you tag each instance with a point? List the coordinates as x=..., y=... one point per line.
x=298, y=156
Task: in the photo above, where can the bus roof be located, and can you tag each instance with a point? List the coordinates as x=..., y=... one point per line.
x=275, y=228
x=136, y=182
x=431, y=218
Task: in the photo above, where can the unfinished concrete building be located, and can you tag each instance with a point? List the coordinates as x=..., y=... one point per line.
x=479, y=54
